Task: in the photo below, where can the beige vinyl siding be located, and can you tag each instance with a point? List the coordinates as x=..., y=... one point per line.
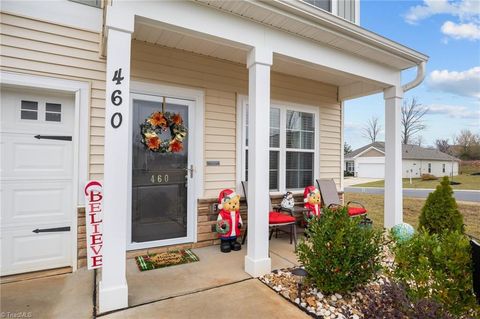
x=372, y=153
x=48, y=49
x=222, y=81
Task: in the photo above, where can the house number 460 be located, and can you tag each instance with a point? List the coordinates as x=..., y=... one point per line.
x=116, y=99
x=159, y=178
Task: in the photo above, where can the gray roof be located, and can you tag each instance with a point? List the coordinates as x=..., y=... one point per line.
x=408, y=152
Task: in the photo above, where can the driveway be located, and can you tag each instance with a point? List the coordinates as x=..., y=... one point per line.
x=350, y=181
x=460, y=195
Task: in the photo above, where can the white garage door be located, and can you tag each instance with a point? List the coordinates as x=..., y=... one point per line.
x=369, y=170
x=36, y=180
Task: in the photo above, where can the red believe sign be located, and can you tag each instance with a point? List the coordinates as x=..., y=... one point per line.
x=93, y=223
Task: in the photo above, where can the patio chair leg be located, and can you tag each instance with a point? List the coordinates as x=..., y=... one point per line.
x=291, y=234
x=271, y=233
x=295, y=236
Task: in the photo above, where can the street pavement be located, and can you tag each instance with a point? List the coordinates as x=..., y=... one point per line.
x=460, y=195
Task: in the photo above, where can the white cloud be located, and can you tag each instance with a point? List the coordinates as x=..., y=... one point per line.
x=464, y=83
x=454, y=111
x=463, y=9
x=470, y=31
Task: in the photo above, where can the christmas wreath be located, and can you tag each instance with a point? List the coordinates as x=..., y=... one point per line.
x=222, y=227
x=157, y=122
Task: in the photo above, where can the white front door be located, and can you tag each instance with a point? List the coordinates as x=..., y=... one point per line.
x=36, y=180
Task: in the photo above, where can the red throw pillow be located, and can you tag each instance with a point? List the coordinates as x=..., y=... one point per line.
x=279, y=218
x=354, y=211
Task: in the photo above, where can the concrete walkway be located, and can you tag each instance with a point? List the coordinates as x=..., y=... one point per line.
x=62, y=296
x=214, y=287
x=246, y=299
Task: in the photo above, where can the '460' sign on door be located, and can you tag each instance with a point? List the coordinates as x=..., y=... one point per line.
x=117, y=100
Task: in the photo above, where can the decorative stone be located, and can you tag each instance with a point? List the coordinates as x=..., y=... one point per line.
x=339, y=296
x=297, y=301
x=320, y=295
x=303, y=304
x=355, y=317
x=333, y=298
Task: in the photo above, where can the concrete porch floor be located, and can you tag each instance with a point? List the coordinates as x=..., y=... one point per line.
x=196, y=289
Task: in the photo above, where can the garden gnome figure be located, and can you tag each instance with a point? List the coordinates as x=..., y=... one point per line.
x=229, y=220
x=311, y=198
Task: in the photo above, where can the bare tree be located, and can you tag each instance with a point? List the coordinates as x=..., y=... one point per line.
x=412, y=119
x=468, y=144
x=372, y=129
x=346, y=148
x=443, y=145
x=419, y=140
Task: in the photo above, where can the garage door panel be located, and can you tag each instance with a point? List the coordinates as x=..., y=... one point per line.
x=36, y=180
x=369, y=170
x=31, y=158
x=37, y=203
x=27, y=251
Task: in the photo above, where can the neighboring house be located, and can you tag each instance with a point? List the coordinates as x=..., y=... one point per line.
x=369, y=161
x=82, y=78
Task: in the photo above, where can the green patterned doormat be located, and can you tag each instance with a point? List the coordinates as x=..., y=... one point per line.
x=169, y=258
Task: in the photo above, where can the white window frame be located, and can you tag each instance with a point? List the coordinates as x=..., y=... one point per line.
x=242, y=101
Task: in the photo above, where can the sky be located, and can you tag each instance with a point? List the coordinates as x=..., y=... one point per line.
x=449, y=33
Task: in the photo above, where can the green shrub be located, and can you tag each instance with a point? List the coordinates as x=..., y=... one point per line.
x=339, y=254
x=440, y=212
x=428, y=177
x=437, y=267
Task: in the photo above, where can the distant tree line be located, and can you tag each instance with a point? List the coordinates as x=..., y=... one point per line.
x=465, y=146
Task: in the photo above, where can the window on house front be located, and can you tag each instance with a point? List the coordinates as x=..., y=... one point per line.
x=292, y=148
x=429, y=168
x=322, y=4
x=92, y=3
x=443, y=168
x=350, y=167
x=53, y=112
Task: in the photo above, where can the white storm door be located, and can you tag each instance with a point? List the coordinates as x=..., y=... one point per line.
x=36, y=180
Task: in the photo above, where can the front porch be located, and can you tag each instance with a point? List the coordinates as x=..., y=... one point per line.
x=175, y=292
x=213, y=66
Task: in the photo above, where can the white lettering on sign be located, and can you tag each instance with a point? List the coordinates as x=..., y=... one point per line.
x=93, y=223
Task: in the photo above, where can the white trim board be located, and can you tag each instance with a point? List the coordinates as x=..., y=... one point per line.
x=81, y=92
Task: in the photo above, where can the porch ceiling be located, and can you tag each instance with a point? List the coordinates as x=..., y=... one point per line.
x=306, y=21
x=160, y=35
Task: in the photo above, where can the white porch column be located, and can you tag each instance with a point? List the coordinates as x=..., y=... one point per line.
x=113, y=289
x=393, y=207
x=257, y=260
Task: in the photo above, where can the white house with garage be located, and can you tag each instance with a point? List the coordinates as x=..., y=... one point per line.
x=369, y=162
x=258, y=87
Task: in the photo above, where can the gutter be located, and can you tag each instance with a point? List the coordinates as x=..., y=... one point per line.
x=418, y=79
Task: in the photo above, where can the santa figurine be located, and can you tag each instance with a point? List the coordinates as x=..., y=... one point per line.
x=311, y=198
x=229, y=220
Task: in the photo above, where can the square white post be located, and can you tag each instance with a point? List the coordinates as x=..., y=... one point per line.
x=113, y=290
x=257, y=260
x=393, y=207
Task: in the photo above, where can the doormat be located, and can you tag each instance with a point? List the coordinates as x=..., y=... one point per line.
x=169, y=258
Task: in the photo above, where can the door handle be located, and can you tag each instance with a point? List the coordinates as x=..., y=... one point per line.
x=190, y=170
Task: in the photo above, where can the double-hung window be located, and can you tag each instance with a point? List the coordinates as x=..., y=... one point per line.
x=293, y=145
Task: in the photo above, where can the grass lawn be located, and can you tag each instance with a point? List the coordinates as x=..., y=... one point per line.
x=412, y=208
x=467, y=182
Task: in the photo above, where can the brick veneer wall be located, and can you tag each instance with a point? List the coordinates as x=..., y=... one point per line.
x=206, y=235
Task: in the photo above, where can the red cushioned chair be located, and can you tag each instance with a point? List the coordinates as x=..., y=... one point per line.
x=330, y=198
x=276, y=219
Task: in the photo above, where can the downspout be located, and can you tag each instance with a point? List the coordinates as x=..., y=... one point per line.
x=418, y=79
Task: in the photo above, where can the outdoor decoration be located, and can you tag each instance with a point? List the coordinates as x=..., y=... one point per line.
x=165, y=259
x=159, y=122
x=94, y=223
x=288, y=201
x=229, y=220
x=311, y=198
x=402, y=232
